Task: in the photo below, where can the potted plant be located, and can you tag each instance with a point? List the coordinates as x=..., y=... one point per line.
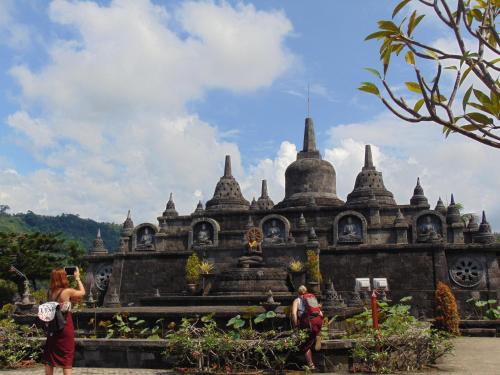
x=313, y=272
x=207, y=275
x=192, y=272
x=297, y=273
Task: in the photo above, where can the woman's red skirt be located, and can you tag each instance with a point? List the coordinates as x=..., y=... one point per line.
x=60, y=347
x=313, y=326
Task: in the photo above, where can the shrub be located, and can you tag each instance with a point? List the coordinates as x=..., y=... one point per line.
x=199, y=343
x=17, y=348
x=401, y=342
x=7, y=291
x=193, y=269
x=312, y=266
x=447, y=317
x=492, y=311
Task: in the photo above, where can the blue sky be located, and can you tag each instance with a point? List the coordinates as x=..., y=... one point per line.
x=112, y=105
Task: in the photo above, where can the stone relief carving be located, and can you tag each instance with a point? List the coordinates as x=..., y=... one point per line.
x=467, y=272
x=274, y=231
x=145, y=237
x=429, y=229
x=102, y=276
x=203, y=234
x=350, y=230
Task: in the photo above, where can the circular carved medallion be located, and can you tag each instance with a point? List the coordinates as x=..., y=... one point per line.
x=466, y=272
x=102, y=276
x=255, y=233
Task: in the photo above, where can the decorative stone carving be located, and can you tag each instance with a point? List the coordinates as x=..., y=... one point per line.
x=253, y=250
x=276, y=229
x=483, y=234
x=349, y=227
x=102, y=276
x=98, y=247
x=428, y=226
x=467, y=272
x=429, y=229
x=144, y=237
x=204, y=232
x=128, y=226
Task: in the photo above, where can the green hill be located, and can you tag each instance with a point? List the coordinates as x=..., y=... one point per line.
x=71, y=226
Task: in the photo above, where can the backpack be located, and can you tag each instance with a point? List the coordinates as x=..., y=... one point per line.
x=311, y=305
x=51, y=315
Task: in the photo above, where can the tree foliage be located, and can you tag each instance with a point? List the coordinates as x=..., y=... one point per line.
x=447, y=317
x=36, y=254
x=474, y=67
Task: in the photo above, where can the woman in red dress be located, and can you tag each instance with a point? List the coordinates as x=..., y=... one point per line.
x=60, y=347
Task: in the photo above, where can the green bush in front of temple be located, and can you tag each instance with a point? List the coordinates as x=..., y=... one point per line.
x=402, y=342
x=192, y=269
x=18, y=348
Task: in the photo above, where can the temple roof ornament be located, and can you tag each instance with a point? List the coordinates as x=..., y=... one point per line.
x=310, y=176
x=170, y=210
x=199, y=208
x=370, y=182
x=302, y=222
x=440, y=207
x=128, y=226
x=419, y=199
x=453, y=213
x=254, y=205
x=98, y=247
x=400, y=220
x=484, y=234
x=227, y=194
x=472, y=225
x=264, y=202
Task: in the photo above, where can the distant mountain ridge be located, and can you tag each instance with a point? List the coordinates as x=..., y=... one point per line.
x=71, y=226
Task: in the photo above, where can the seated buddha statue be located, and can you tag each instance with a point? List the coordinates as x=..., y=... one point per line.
x=253, y=253
x=349, y=232
x=273, y=233
x=203, y=237
x=146, y=238
x=427, y=232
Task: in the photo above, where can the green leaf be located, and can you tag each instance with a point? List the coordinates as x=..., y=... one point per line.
x=132, y=318
x=479, y=117
x=399, y=7
x=378, y=35
x=410, y=58
x=432, y=54
x=491, y=301
x=270, y=315
x=418, y=105
x=466, y=73
x=465, y=100
x=369, y=88
x=388, y=25
x=139, y=322
x=413, y=87
x=414, y=21
x=452, y=67
x=375, y=72
x=483, y=98
x=154, y=337
x=260, y=318
x=471, y=127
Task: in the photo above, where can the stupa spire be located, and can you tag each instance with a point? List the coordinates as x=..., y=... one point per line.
x=368, y=158
x=170, y=210
x=98, y=245
x=263, y=193
x=227, y=166
x=484, y=234
x=309, y=136
x=264, y=202
x=99, y=232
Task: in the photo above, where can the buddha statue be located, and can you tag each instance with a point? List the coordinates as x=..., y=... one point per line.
x=427, y=231
x=273, y=233
x=203, y=237
x=253, y=250
x=350, y=232
x=146, y=238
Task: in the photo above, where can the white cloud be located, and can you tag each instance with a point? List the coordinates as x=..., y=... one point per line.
x=403, y=152
x=114, y=132
x=14, y=34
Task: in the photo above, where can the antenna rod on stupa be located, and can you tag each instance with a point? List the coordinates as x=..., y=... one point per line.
x=227, y=166
x=264, y=189
x=368, y=157
x=99, y=232
x=128, y=214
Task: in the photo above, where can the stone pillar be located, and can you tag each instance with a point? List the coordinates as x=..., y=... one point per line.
x=401, y=234
x=493, y=274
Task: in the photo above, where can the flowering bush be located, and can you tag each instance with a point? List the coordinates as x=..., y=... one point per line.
x=447, y=317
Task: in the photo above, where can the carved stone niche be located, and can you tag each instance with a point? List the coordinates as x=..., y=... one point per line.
x=276, y=229
x=429, y=227
x=143, y=238
x=204, y=232
x=349, y=228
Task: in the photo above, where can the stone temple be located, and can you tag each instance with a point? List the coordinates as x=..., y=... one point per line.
x=369, y=235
